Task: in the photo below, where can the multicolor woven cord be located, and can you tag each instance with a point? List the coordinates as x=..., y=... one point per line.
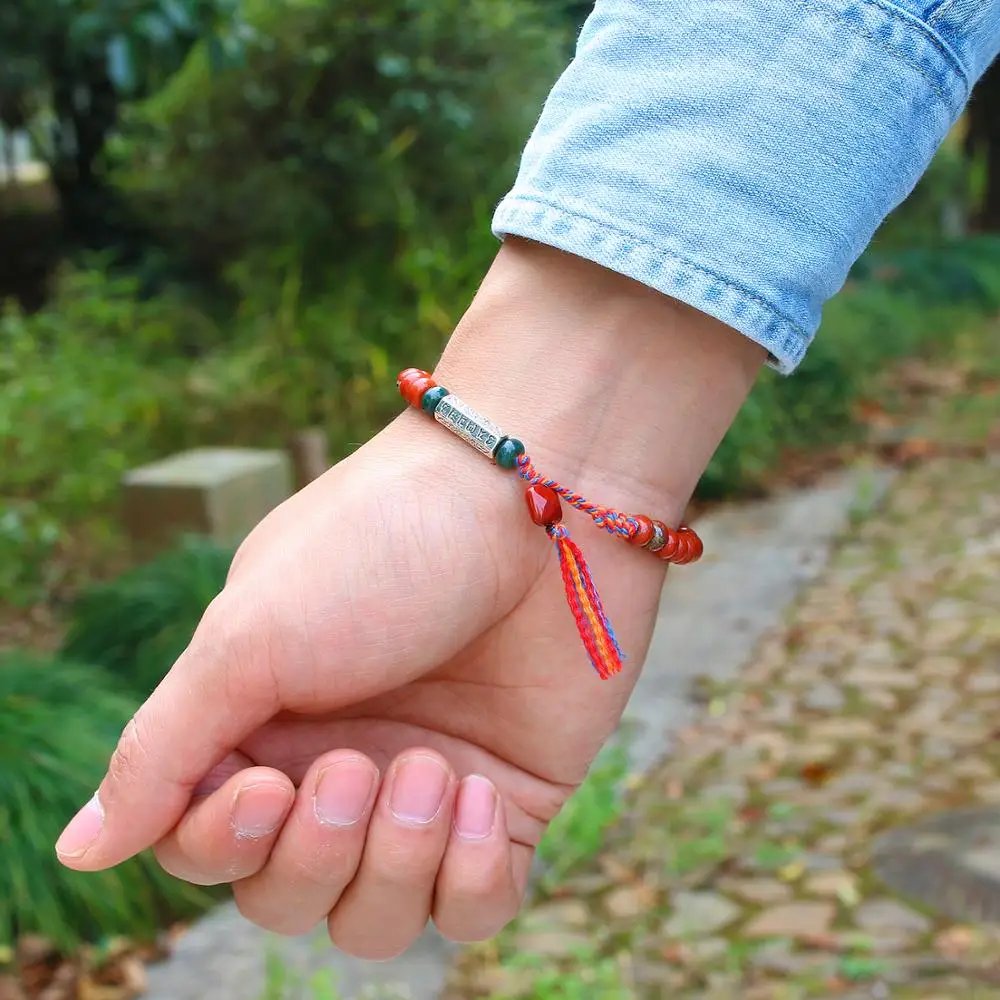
x=677, y=545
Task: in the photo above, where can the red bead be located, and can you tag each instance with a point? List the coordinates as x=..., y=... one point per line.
x=412, y=385
x=543, y=505
x=684, y=549
x=697, y=546
x=411, y=373
x=645, y=532
x=671, y=546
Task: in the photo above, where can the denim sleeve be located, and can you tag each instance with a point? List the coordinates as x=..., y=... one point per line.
x=739, y=154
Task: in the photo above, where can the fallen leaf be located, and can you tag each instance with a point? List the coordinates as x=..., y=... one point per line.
x=87, y=989
x=914, y=449
x=847, y=893
x=10, y=989
x=792, y=872
x=824, y=942
x=816, y=773
x=33, y=949
x=674, y=952
x=954, y=942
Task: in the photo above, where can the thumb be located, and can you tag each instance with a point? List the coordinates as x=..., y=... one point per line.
x=188, y=725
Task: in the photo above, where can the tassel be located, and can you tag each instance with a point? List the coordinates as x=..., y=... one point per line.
x=585, y=603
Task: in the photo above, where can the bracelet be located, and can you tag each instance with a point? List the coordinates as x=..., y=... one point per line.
x=673, y=545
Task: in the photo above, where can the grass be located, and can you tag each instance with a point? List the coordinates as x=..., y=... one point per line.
x=136, y=625
x=594, y=977
x=59, y=723
x=577, y=833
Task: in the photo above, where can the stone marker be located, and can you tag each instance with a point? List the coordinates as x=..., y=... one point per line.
x=308, y=450
x=219, y=492
x=949, y=863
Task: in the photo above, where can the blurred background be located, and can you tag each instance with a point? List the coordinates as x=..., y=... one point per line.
x=223, y=228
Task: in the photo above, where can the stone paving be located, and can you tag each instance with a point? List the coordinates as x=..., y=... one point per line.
x=743, y=866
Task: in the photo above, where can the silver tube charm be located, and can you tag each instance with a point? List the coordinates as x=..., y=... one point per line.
x=472, y=427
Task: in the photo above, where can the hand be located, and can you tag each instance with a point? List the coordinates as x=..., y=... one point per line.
x=388, y=703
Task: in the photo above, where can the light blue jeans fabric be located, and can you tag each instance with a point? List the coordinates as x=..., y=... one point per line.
x=739, y=154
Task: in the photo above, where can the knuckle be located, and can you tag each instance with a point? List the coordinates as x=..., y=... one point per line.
x=254, y=907
x=274, y=911
x=126, y=763
x=166, y=858
x=484, y=881
x=345, y=939
x=328, y=870
x=406, y=864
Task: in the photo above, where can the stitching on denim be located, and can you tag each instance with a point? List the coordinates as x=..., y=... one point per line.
x=936, y=9
x=644, y=244
x=925, y=29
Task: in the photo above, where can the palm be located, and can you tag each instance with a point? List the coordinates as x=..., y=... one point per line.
x=516, y=701
x=531, y=723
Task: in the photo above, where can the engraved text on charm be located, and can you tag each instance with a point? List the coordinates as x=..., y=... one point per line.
x=470, y=426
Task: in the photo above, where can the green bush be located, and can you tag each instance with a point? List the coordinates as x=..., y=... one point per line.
x=344, y=129
x=59, y=723
x=897, y=304
x=577, y=833
x=86, y=387
x=28, y=539
x=136, y=625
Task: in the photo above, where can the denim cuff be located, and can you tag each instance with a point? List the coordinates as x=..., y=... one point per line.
x=737, y=155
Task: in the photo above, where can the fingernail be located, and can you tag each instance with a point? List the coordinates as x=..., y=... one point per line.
x=259, y=810
x=476, y=809
x=418, y=787
x=343, y=791
x=82, y=831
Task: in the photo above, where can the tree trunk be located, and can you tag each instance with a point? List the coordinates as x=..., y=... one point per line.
x=86, y=111
x=984, y=140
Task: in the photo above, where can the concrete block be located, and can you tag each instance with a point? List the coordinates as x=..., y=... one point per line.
x=219, y=492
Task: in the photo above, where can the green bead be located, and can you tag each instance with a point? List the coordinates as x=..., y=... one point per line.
x=508, y=452
x=431, y=399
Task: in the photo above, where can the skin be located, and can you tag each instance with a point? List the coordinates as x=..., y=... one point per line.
x=381, y=713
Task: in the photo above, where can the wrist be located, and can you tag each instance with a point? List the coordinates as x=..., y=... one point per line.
x=613, y=387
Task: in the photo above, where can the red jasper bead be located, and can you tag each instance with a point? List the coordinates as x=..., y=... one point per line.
x=672, y=545
x=645, y=532
x=413, y=383
x=408, y=373
x=543, y=505
x=416, y=390
x=684, y=549
x=694, y=540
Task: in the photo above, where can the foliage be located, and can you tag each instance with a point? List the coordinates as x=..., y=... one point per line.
x=75, y=408
x=138, y=624
x=58, y=726
x=343, y=132
x=67, y=65
x=27, y=540
x=577, y=833
x=983, y=142
x=281, y=982
x=593, y=977
x=898, y=304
